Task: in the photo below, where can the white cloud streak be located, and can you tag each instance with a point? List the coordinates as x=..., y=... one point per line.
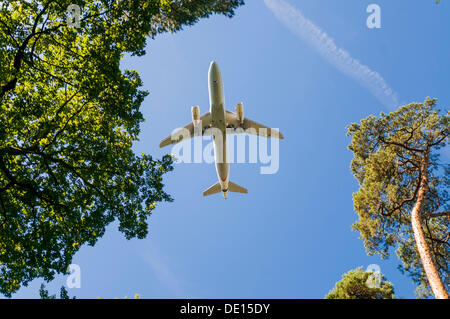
x=155, y=260
x=294, y=20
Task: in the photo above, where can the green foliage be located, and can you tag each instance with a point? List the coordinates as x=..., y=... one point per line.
x=44, y=294
x=388, y=153
x=68, y=118
x=353, y=285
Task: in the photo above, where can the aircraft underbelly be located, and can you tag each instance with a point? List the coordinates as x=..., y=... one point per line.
x=218, y=121
x=220, y=145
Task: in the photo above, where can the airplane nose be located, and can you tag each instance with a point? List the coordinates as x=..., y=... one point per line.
x=214, y=72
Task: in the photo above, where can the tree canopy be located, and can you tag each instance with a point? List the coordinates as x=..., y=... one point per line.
x=354, y=285
x=402, y=201
x=68, y=117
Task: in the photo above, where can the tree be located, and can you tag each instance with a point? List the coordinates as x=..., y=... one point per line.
x=402, y=199
x=356, y=285
x=68, y=118
x=44, y=294
x=64, y=294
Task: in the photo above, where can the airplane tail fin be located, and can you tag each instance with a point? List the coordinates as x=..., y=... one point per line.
x=232, y=187
x=214, y=189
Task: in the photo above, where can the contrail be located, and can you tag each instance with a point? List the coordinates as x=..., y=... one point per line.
x=294, y=20
x=155, y=260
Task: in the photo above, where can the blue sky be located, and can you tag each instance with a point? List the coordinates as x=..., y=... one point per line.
x=291, y=236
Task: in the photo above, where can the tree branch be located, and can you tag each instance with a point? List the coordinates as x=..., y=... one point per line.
x=440, y=214
x=21, y=53
x=400, y=145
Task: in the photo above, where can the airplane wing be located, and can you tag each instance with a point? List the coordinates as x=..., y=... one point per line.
x=187, y=131
x=251, y=127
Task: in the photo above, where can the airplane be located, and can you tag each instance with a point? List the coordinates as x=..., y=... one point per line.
x=220, y=119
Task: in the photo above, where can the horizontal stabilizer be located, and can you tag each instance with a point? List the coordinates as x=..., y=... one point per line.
x=232, y=187
x=216, y=188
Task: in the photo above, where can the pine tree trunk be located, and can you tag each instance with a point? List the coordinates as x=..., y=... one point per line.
x=429, y=266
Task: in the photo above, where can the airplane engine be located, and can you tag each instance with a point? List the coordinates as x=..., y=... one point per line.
x=240, y=113
x=195, y=114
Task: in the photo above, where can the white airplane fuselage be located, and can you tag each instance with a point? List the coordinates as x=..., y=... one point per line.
x=217, y=110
